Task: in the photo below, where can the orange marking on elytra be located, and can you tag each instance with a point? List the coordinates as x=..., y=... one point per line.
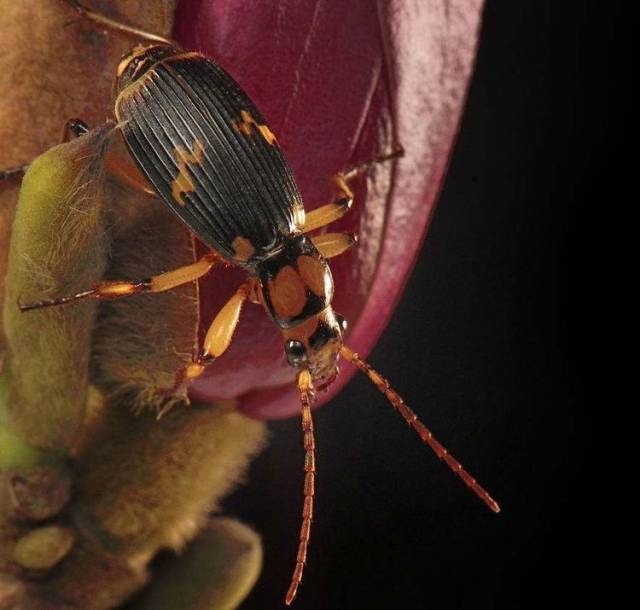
x=244, y=126
x=183, y=182
x=243, y=249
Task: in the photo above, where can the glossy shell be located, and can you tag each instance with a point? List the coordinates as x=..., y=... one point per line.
x=208, y=152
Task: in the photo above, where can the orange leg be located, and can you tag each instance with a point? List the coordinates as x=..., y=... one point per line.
x=334, y=244
x=114, y=289
x=218, y=337
x=306, y=398
x=74, y=127
x=125, y=170
x=342, y=203
x=331, y=212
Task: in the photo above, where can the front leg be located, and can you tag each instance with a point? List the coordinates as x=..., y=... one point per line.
x=220, y=333
x=114, y=289
x=218, y=337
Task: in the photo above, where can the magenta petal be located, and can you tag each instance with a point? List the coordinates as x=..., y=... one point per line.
x=339, y=83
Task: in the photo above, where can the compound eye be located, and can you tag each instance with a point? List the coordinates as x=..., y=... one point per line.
x=296, y=353
x=342, y=323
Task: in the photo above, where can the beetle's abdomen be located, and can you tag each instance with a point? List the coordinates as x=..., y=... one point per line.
x=296, y=283
x=208, y=152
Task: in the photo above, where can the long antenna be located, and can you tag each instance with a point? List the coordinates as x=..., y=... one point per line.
x=423, y=432
x=306, y=397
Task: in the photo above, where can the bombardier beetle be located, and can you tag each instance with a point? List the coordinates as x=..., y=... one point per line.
x=208, y=154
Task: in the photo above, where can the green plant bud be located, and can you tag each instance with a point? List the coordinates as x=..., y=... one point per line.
x=141, y=483
x=215, y=572
x=141, y=342
x=58, y=246
x=82, y=384
x=39, y=493
x=43, y=548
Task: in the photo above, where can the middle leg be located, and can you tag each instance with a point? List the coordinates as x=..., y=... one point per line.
x=334, y=244
x=343, y=201
x=217, y=339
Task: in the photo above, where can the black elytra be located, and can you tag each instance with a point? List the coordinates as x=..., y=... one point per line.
x=208, y=152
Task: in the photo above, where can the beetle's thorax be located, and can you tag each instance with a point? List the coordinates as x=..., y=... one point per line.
x=297, y=289
x=296, y=282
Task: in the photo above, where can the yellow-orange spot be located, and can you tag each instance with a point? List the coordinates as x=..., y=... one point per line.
x=288, y=293
x=244, y=126
x=183, y=182
x=243, y=249
x=314, y=274
x=193, y=370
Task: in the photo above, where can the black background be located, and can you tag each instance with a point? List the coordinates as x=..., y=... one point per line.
x=487, y=345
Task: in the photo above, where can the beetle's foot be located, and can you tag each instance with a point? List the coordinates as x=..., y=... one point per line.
x=178, y=391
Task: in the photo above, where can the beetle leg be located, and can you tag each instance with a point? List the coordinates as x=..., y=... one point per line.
x=361, y=168
x=114, y=289
x=116, y=164
x=334, y=244
x=74, y=127
x=331, y=212
x=117, y=26
x=218, y=337
x=11, y=172
x=128, y=173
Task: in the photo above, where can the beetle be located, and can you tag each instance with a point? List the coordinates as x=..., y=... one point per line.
x=206, y=151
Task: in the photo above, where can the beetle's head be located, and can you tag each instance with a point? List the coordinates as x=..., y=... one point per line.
x=315, y=344
x=138, y=61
